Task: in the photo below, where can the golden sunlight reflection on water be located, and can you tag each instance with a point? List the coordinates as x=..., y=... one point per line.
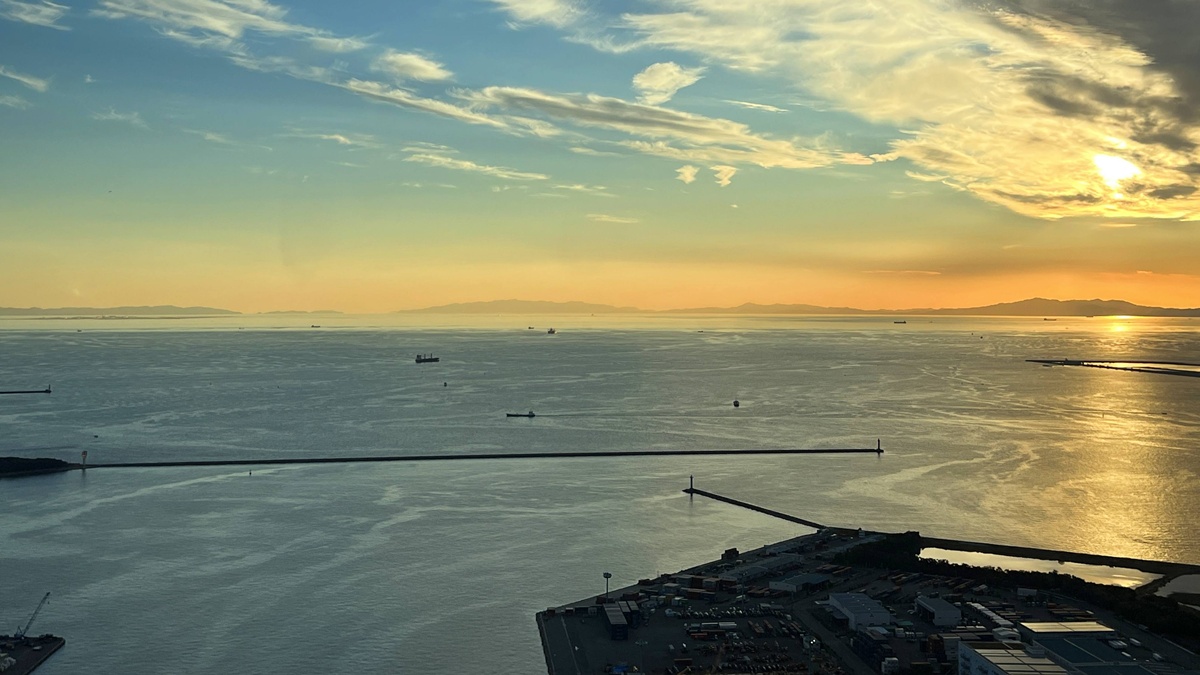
x=1117, y=576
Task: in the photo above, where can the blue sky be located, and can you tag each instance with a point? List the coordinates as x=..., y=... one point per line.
x=370, y=156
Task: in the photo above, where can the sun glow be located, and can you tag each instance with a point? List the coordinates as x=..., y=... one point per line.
x=1114, y=169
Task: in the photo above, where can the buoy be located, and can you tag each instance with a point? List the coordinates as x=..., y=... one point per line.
x=736, y=403
x=445, y=385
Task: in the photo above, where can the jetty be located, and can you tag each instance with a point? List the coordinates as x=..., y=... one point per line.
x=754, y=507
x=1164, y=567
x=440, y=457
x=435, y=457
x=1128, y=365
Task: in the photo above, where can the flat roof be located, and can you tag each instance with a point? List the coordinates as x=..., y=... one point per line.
x=1079, y=651
x=1066, y=627
x=936, y=604
x=857, y=603
x=1016, y=662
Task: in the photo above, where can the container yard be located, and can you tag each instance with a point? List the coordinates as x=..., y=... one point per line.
x=789, y=608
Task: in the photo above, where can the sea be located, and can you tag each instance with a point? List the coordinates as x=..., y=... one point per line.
x=439, y=567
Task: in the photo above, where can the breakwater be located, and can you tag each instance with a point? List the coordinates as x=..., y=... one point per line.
x=1130, y=366
x=442, y=457
x=1164, y=567
x=754, y=507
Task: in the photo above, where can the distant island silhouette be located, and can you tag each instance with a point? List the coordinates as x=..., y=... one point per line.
x=1030, y=307
x=155, y=310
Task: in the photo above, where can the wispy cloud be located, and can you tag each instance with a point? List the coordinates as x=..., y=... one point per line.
x=347, y=139
x=558, y=13
x=34, y=83
x=686, y=173
x=134, y=118
x=12, y=101
x=596, y=190
x=210, y=136
x=402, y=66
x=229, y=18
x=581, y=150
x=724, y=174
x=676, y=134
x=42, y=13
x=605, y=218
x=757, y=106
x=1009, y=100
x=338, y=45
x=441, y=161
x=659, y=82
x=383, y=93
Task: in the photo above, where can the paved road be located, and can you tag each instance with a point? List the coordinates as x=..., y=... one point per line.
x=848, y=658
x=563, y=658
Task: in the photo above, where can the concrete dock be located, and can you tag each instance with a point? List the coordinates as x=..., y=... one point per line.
x=27, y=653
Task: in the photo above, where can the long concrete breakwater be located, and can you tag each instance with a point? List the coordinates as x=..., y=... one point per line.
x=754, y=507
x=1164, y=567
x=440, y=457
x=1152, y=367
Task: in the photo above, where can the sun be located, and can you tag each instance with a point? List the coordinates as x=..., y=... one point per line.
x=1114, y=169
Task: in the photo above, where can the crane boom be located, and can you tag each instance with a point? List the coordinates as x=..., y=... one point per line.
x=22, y=631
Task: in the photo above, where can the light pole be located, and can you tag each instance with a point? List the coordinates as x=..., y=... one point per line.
x=607, y=576
x=642, y=662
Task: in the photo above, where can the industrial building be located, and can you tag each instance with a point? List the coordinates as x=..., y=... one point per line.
x=1089, y=656
x=937, y=611
x=980, y=660
x=760, y=568
x=1035, y=631
x=860, y=610
x=810, y=581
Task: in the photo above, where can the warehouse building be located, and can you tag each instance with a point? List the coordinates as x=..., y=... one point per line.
x=980, y=660
x=860, y=610
x=801, y=583
x=1036, y=631
x=938, y=611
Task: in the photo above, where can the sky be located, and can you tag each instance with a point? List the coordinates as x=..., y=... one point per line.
x=372, y=155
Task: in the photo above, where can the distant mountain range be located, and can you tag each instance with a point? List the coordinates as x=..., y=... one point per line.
x=1030, y=307
x=157, y=310
x=524, y=307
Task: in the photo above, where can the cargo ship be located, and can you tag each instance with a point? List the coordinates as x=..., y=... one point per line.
x=427, y=358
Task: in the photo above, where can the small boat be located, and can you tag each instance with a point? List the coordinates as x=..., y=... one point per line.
x=899, y=322
x=315, y=326
x=427, y=358
x=551, y=332
x=528, y=414
x=531, y=328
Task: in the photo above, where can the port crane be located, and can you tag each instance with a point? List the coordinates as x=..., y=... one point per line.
x=22, y=631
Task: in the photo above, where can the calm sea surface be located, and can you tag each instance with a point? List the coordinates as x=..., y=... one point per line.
x=439, y=567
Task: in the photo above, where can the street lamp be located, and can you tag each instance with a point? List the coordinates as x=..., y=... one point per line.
x=607, y=576
x=642, y=662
